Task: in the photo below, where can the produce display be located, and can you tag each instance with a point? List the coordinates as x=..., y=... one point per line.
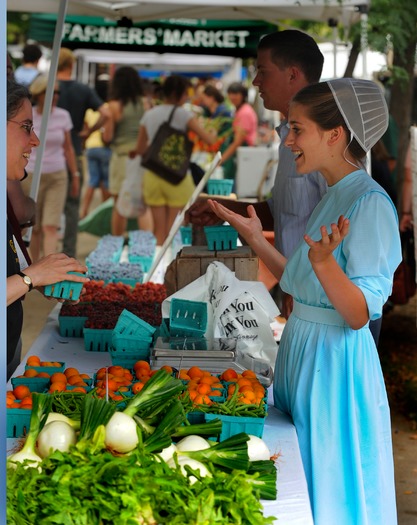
x=137, y=462
x=105, y=262
x=131, y=444
x=103, y=303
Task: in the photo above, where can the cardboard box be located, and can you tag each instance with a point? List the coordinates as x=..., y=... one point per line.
x=192, y=262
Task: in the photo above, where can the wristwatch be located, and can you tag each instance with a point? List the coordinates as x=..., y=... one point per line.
x=27, y=280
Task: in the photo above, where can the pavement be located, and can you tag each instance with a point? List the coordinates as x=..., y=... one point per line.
x=404, y=433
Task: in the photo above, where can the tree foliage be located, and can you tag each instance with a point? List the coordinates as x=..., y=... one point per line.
x=398, y=20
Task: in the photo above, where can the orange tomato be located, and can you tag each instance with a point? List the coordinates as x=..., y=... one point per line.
x=30, y=372
x=208, y=380
x=43, y=374
x=203, y=388
x=243, y=382
x=58, y=376
x=193, y=394
x=245, y=400
x=21, y=391
x=80, y=389
x=116, y=397
x=137, y=387
x=195, y=372
x=167, y=368
x=259, y=398
x=231, y=389
x=249, y=374
x=141, y=364
x=26, y=402
x=73, y=380
x=142, y=375
x=229, y=375
x=116, y=370
x=245, y=388
x=101, y=372
x=112, y=385
x=202, y=399
x=33, y=360
x=259, y=389
x=71, y=371
x=80, y=384
x=58, y=386
x=100, y=391
x=128, y=376
x=250, y=395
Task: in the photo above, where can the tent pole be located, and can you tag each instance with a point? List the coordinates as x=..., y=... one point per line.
x=364, y=40
x=48, y=104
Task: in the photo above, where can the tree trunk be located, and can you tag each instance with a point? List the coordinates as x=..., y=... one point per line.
x=353, y=58
x=401, y=106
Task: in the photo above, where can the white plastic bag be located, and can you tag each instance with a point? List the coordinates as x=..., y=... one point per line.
x=129, y=202
x=236, y=309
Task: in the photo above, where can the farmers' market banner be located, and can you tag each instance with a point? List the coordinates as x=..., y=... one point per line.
x=238, y=38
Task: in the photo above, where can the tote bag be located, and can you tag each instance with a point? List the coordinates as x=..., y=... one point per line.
x=169, y=154
x=129, y=202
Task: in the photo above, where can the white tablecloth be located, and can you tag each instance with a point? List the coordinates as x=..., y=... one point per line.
x=292, y=506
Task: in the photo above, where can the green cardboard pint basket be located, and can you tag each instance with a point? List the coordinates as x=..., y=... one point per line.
x=68, y=290
x=220, y=238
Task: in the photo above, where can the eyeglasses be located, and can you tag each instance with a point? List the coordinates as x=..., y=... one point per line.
x=24, y=125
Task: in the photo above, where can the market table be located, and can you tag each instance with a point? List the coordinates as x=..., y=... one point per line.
x=292, y=506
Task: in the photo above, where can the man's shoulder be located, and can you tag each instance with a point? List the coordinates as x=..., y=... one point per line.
x=76, y=86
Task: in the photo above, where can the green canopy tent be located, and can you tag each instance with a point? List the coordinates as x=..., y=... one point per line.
x=98, y=222
x=237, y=38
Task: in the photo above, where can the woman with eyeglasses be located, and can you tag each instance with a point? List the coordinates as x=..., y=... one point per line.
x=21, y=278
x=58, y=153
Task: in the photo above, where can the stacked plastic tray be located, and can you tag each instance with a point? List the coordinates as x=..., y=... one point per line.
x=131, y=340
x=187, y=318
x=186, y=234
x=220, y=238
x=220, y=187
x=142, y=245
x=68, y=290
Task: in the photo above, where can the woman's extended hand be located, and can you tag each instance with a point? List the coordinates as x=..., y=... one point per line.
x=321, y=250
x=250, y=228
x=54, y=268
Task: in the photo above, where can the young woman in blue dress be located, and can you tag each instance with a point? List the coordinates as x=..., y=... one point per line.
x=327, y=374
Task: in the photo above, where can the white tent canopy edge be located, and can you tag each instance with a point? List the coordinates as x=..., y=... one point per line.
x=346, y=11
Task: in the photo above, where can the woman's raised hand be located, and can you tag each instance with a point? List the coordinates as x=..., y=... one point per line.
x=250, y=228
x=321, y=250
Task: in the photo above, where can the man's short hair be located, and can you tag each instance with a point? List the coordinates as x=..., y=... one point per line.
x=31, y=53
x=294, y=48
x=66, y=59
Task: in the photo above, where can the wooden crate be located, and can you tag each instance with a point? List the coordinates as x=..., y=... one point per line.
x=192, y=262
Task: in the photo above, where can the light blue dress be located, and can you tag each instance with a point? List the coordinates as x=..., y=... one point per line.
x=328, y=376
